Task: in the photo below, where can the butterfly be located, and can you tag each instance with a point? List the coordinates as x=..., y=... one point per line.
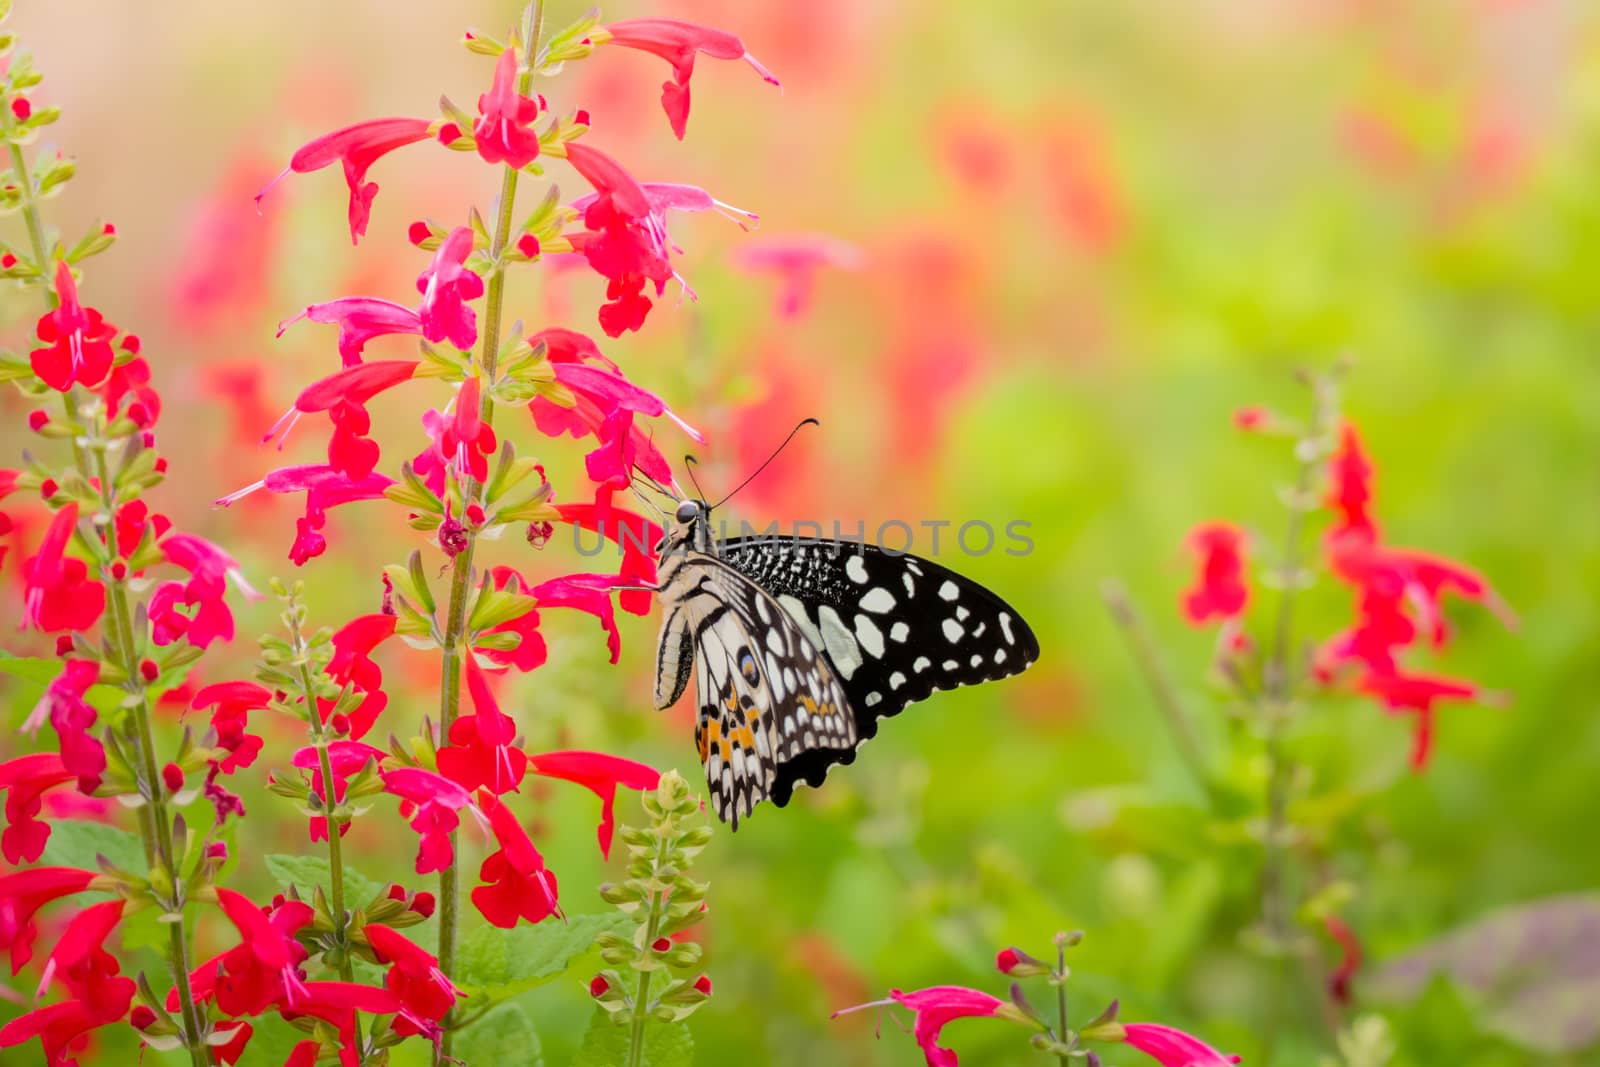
x=798, y=647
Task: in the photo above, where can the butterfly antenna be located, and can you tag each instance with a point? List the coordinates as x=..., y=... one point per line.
x=775, y=453
x=651, y=504
x=688, y=464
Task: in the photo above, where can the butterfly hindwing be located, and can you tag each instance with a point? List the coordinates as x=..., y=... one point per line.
x=766, y=693
x=895, y=628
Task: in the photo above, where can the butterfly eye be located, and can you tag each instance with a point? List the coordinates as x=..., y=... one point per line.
x=747, y=667
x=688, y=511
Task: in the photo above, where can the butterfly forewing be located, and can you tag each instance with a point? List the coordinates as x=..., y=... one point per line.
x=767, y=695
x=895, y=628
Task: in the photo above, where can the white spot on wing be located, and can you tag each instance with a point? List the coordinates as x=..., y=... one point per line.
x=856, y=568
x=953, y=631
x=870, y=636
x=1005, y=628
x=899, y=632
x=911, y=586
x=874, y=698
x=922, y=664
x=842, y=648
x=877, y=600
x=797, y=612
x=896, y=680
x=949, y=590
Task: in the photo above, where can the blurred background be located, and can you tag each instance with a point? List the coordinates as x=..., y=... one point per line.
x=1082, y=235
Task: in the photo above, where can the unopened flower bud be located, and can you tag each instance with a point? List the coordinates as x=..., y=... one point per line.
x=418, y=232
x=47, y=488
x=598, y=986
x=172, y=777
x=38, y=418
x=703, y=984
x=528, y=245
x=1019, y=964
x=149, y=671
x=119, y=571
x=423, y=904
x=63, y=645
x=141, y=1018
x=661, y=944
x=21, y=108
x=217, y=850
x=339, y=723
x=131, y=344
x=582, y=117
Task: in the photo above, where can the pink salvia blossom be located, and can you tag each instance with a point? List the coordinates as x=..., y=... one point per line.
x=678, y=43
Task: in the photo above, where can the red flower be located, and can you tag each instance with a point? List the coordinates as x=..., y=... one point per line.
x=481, y=753
x=234, y=701
x=1174, y=1048
x=324, y=488
x=77, y=340
x=357, y=148
x=633, y=533
x=60, y=1028
x=517, y=885
x=678, y=43
x=207, y=617
x=59, y=593
x=360, y=319
x=1343, y=976
x=462, y=441
x=796, y=260
x=344, y=396
x=352, y=665
x=72, y=718
x=345, y=758
x=1350, y=489
x=601, y=775
x=264, y=968
x=132, y=379
x=502, y=128
x=336, y=1003
x=431, y=802
x=24, y=780
x=22, y=894
x=424, y=993
x=934, y=1008
x=445, y=286
x=1417, y=694
x=81, y=962
x=604, y=404
x=624, y=242
x=1219, y=590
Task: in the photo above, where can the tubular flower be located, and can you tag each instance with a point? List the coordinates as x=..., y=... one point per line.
x=431, y=801
x=59, y=594
x=208, y=617
x=233, y=702
x=516, y=883
x=352, y=665
x=81, y=963
x=345, y=759
x=324, y=488
x=503, y=129
x=335, y=1003
x=424, y=994
x=678, y=43
x=77, y=341
x=1219, y=591
x=1174, y=1048
x=356, y=148
x=601, y=775
x=24, y=781
x=937, y=1006
x=445, y=287
x=72, y=718
x=344, y=397
x=22, y=894
x=462, y=441
x=264, y=968
x=623, y=244
x=481, y=754
x=631, y=532
x=796, y=262
x=360, y=319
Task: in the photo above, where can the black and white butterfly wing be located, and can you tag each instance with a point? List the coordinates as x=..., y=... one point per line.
x=766, y=693
x=895, y=628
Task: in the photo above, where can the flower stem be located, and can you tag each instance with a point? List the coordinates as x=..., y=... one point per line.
x=461, y=573
x=1061, y=999
x=641, y=993
x=155, y=820
x=1162, y=687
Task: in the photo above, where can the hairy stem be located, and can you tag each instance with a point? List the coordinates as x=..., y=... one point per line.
x=1061, y=998
x=155, y=820
x=641, y=993
x=461, y=573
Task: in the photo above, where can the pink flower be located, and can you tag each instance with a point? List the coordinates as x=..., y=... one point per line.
x=1219, y=591
x=324, y=488
x=82, y=964
x=516, y=883
x=344, y=397
x=633, y=533
x=352, y=665
x=360, y=319
x=60, y=1028
x=678, y=43
x=356, y=148
x=481, y=753
x=445, y=286
x=336, y=1003
x=601, y=775
x=1417, y=694
x=233, y=701
x=77, y=340
x=431, y=801
x=345, y=759
x=623, y=243
x=937, y=1006
x=207, y=617
x=1174, y=1048
x=424, y=993
x=502, y=129
x=264, y=968
x=796, y=261
x=22, y=894
x=24, y=780
x=59, y=593
x=462, y=441
x=73, y=719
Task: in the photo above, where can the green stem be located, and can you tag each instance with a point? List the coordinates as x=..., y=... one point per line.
x=641, y=993
x=155, y=820
x=1061, y=999
x=461, y=567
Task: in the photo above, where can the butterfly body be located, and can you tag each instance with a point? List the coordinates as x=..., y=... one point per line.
x=799, y=647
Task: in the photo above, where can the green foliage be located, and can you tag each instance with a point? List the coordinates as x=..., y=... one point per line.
x=498, y=964
x=309, y=873
x=504, y=1036
x=76, y=843
x=606, y=1044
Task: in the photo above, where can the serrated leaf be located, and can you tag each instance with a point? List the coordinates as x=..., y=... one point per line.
x=74, y=843
x=505, y=1035
x=497, y=963
x=606, y=1044
x=1531, y=972
x=311, y=872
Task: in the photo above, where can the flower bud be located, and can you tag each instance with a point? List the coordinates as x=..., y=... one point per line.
x=63, y=645
x=1019, y=964
x=141, y=1018
x=38, y=418
x=661, y=944
x=703, y=984
x=172, y=777
x=419, y=232
x=528, y=245
x=598, y=986
x=149, y=671
x=21, y=108
x=131, y=344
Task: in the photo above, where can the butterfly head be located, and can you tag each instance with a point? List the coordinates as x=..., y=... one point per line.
x=691, y=528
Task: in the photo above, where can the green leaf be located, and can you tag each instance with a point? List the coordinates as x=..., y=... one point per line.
x=606, y=1044
x=1531, y=973
x=74, y=843
x=311, y=872
x=497, y=963
x=271, y=1042
x=505, y=1035
x=40, y=672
